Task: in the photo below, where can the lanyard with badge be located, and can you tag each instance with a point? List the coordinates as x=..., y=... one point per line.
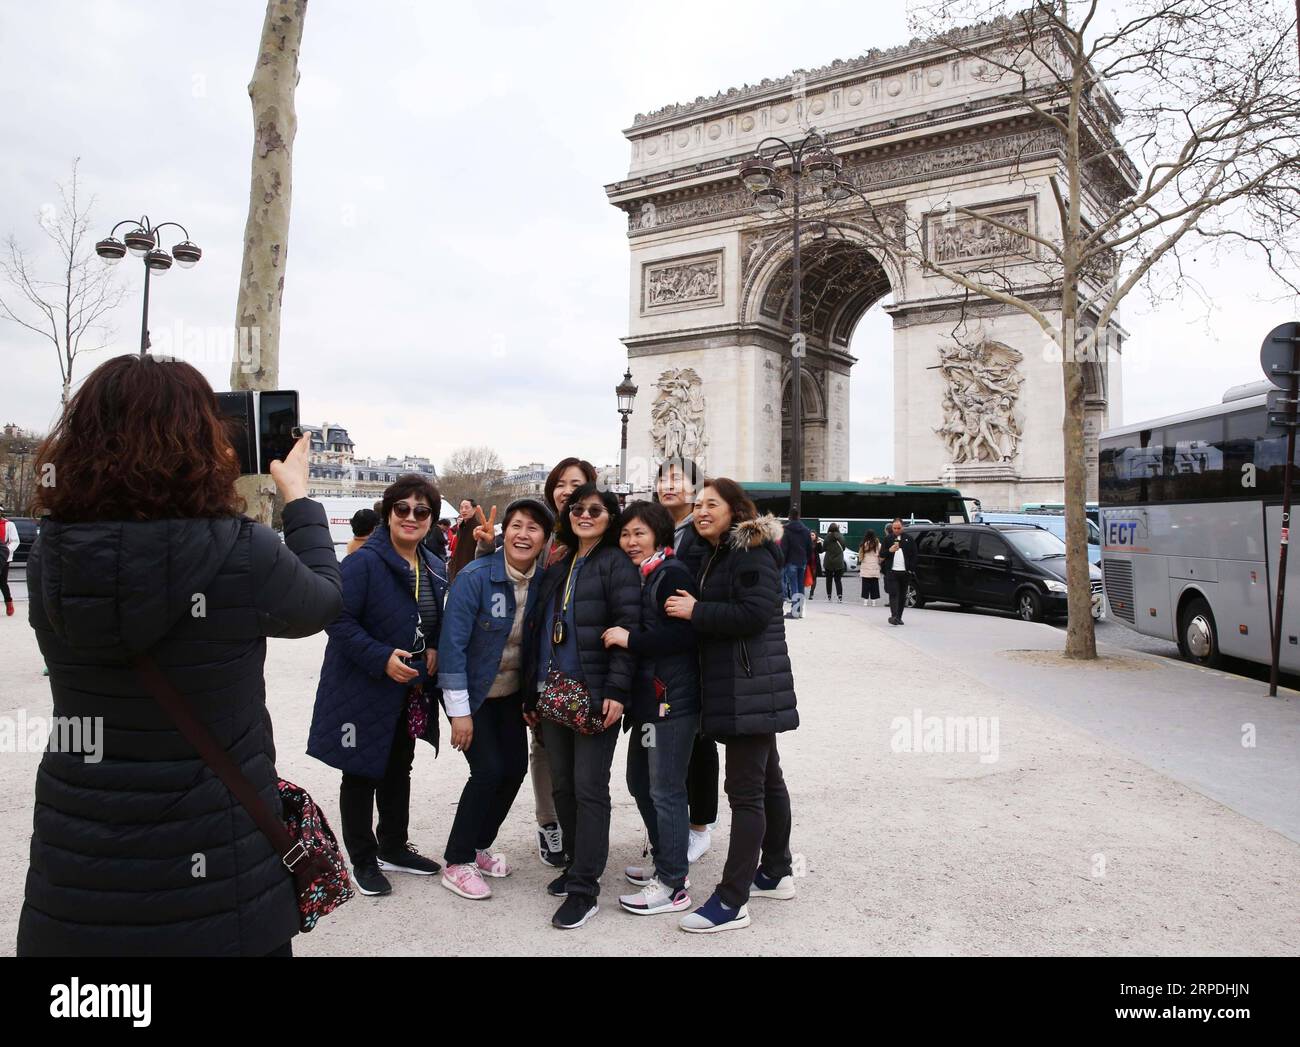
x=558, y=627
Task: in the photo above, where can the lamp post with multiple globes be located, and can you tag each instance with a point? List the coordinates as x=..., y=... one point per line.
x=143, y=242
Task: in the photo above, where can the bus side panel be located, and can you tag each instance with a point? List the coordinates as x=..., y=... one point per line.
x=1289, y=659
x=1151, y=579
x=1240, y=601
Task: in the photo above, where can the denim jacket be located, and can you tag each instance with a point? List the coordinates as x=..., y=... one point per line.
x=476, y=624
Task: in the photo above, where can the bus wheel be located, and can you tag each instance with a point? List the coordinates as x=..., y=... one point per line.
x=1028, y=606
x=1198, y=637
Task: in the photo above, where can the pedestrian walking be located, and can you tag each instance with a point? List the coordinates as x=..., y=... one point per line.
x=488, y=623
x=896, y=558
x=675, y=486
x=833, y=562
x=9, y=542
x=137, y=847
x=664, y=714
x=375, y=697
x=747, y=692
x=798, y=556
x=869, y=569
x=582, y=687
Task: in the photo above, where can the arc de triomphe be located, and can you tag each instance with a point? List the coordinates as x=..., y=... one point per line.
x=977, y=393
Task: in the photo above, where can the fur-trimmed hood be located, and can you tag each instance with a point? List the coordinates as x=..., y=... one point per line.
x=750, y=534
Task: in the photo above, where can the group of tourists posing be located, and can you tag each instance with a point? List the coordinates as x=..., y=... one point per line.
x=665, y=616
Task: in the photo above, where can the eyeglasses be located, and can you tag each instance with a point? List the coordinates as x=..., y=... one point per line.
x=593, y=511
x=405, y=509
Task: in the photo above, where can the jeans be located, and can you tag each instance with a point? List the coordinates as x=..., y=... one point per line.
x=896, y=586
x=760, y=816
x=838, y=578
x=359, y=796
x=702, y=781
x=792, y=578
x=498, y=761
x=658, y=754
x=580, y=766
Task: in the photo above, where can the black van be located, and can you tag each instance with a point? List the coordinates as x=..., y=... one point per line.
x=1011, y=567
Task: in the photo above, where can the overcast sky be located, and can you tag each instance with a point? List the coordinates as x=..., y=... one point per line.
x=455, y=274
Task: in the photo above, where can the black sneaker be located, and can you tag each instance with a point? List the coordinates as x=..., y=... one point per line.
x=550, y=845
x=576, y=910
x=558, y=888
x=408, y=860
x=370, y=880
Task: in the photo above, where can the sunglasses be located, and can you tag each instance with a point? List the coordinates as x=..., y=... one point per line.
x=593, y=511
x=405, y=509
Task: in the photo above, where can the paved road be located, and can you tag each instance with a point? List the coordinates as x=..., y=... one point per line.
x=1083, y=828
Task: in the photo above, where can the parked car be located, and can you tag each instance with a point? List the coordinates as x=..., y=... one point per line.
x=1008, y=567
x=28, y=529
x=1054, y=522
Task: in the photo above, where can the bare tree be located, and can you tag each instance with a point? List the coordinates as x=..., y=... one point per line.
x=256, y=364
x=1173, y=126
x=18, y=470
x=469, y=472
x=72, y=308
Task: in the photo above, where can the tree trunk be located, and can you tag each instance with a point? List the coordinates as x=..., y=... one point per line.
x=266, y=233
x=1080, y=638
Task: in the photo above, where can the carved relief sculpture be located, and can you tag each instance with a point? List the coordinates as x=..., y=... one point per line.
x=982, y=385
x=969, y=239
x=677, y=415
x=681, y=283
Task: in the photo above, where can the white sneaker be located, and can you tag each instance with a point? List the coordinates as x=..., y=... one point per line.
x=698, y=845
x=653, y=898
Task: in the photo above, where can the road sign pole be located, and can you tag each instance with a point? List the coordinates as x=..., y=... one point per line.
x=1294, y=388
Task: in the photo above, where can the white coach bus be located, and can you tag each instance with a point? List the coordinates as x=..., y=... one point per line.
x=1191, y=510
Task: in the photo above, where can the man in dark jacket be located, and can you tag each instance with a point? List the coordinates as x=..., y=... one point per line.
x=797, y=548
x=897, y=559
x=141, y=850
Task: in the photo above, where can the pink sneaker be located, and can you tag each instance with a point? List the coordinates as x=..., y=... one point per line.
x=466, y=881
x=491, y=864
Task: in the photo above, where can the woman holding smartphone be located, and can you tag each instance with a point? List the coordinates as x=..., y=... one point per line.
x=375, y=694
x=747, y=690
x=581, y=687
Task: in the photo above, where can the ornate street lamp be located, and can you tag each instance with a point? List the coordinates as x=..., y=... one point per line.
x=142, y=241
x=814, y=158
x=625, y=391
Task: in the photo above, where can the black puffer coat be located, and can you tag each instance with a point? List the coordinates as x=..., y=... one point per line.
x=747, y=685
x=606, y=592
x=146, y=852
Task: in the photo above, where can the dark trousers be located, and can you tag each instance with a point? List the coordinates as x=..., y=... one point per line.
x=359, y=796
x=702, y=781
x=498, y=761
x=871, y=588
x=838, y=578
x=283, y=950
x=760, y=816
x=4, y=581
x=896, y=587
x=580, y=765
x=657, y=757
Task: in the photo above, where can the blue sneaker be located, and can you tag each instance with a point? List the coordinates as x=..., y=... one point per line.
x=714, y=916
x=778, y=888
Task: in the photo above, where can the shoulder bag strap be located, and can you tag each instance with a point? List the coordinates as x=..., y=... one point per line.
x=218, y=760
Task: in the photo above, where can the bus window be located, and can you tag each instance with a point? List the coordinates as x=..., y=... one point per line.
x=1132, y=468
x=1195, y=463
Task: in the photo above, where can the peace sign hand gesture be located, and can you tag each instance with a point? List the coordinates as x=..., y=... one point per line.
x=486, y=529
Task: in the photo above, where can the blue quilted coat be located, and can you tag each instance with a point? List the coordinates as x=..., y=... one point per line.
x=357, y=704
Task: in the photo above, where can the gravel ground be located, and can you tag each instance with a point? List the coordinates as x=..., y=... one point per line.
x=1065, y=844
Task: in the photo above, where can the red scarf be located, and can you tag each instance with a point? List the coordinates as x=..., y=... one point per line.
x=650, y=563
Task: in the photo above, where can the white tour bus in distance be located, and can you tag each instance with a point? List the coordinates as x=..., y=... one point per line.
x=1190, y=519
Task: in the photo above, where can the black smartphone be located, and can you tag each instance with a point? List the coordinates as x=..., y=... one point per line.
x=263, y=426
x=277, y=426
